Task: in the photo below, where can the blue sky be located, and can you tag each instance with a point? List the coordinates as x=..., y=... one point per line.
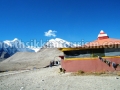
x=71, y=20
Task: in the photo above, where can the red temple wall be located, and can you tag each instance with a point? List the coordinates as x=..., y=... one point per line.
x=89, y=65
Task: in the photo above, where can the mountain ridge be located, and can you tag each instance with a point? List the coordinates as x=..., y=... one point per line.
x=10, y=47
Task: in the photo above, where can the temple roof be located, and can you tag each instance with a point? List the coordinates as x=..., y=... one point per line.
x=103, y=39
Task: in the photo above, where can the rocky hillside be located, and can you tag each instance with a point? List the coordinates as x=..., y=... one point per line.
x=30, y=60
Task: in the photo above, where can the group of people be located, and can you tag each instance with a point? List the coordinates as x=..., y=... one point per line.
x=53, y=63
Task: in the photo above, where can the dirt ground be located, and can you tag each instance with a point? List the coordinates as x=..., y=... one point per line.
x=51, y=79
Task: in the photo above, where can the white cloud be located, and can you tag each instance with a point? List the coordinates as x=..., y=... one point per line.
x=50, y=33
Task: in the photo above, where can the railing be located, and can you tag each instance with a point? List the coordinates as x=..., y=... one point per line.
x=108, y=62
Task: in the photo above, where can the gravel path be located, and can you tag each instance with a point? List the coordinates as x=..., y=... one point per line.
x=51, y=79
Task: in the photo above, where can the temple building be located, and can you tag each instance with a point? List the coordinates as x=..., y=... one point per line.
x=102, y=54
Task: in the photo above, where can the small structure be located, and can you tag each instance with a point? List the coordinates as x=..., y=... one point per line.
x=102, y=54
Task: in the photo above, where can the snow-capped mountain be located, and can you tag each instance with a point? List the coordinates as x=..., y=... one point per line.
x=58, y=43
x=17, y=44
x=34, y=48
x=9, y=47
